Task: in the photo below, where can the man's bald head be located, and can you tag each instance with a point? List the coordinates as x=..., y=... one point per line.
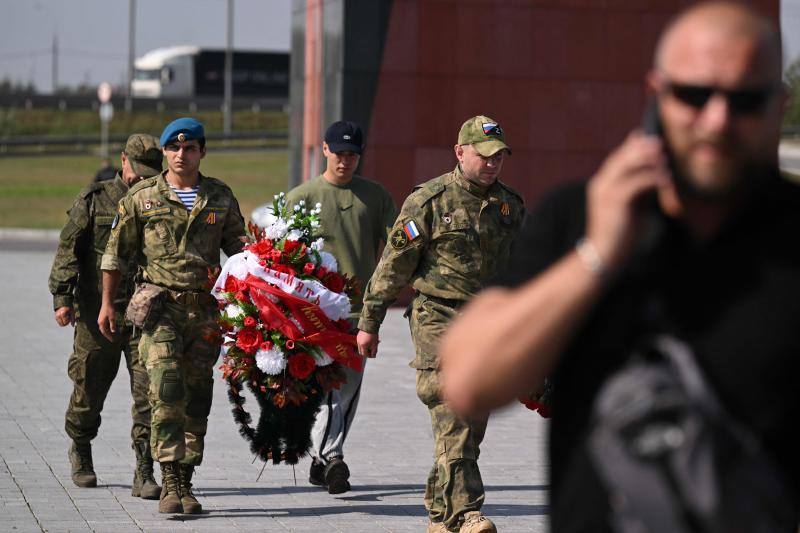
x=721, y=25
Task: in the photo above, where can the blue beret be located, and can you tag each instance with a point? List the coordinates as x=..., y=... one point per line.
x=189, y=127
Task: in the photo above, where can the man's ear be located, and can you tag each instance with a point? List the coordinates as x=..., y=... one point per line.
x=202, y=152
x=122, y=159
x=459, y=150
x=326, y=151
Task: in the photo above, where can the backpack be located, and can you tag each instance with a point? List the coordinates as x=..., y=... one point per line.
x=672, y=459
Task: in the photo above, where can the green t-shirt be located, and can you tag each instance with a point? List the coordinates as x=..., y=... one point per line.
x=354, y=222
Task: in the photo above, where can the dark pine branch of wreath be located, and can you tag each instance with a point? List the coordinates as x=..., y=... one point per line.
x=282, y=433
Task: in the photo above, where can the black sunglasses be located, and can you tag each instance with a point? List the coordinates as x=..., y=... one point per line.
x=740, y=101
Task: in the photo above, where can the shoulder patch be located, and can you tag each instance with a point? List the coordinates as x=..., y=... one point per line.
x=404, y=235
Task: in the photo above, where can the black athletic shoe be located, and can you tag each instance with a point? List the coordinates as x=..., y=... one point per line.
x=316, y=474
x=336, y=476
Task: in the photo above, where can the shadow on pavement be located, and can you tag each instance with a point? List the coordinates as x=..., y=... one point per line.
x=378, y=510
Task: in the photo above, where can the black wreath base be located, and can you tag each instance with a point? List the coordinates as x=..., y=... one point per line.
x=283, y=434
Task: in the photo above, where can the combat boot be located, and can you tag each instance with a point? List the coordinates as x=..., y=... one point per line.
x=80, y=457
x=475, y=522
x=144, y=484
x=170, y=501
x=189, y=502
x=336, y=476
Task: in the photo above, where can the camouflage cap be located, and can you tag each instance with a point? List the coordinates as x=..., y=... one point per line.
x=484, y=134
x=144, y=153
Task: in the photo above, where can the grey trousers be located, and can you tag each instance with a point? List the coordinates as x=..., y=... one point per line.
x=335, y=418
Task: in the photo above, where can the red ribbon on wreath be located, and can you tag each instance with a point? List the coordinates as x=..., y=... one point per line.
x=323, y=332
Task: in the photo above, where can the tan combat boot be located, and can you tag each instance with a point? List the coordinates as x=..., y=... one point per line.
x=190, y=503
x=144, y=484
x=170, y=501
x=80, y=458
x=475, y=522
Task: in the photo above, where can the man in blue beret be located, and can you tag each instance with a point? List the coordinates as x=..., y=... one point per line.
x=175, y=224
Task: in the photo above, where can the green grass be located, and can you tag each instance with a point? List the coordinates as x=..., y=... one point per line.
x=21, y=121
x=35, y=192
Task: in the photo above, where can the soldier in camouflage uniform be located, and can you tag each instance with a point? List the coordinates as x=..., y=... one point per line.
x=76, y=285
x=453, y=233
x=175, y=223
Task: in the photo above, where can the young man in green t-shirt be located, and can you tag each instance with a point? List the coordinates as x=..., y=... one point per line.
x=356, y=216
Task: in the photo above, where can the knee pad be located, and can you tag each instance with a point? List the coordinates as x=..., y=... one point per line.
x=170, y=384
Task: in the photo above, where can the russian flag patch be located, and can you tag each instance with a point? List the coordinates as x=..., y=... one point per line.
x=411, y=231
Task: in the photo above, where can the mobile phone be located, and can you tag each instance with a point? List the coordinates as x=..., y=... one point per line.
x=651, y=119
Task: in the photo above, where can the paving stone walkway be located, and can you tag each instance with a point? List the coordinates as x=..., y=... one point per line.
x=389, y=448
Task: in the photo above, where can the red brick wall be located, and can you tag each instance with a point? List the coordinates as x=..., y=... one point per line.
x=563, y=78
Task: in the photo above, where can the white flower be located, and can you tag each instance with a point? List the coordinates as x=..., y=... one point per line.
x=263, y=216
x=233, y=310
x=277, y=229
x=318, y=206
x=314, y=223
x=322, y=358
x=318, y=244
x=297, y=208
x=329, y=262
x=294, y=235
x=271, y=361
x=302, y=202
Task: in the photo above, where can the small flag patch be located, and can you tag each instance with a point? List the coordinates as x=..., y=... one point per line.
x=491, y=128
x=410, y=229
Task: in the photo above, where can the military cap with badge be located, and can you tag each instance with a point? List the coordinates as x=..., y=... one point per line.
x=183, y=129
x=485, y=134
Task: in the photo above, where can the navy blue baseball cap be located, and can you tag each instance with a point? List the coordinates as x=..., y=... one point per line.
x=344, y=136
x=183, y=129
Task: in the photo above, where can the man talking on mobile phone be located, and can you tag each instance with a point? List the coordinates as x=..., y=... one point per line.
x=691, y=235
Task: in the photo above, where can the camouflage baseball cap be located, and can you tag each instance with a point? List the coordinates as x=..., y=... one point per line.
x=484, y=134
x=144, y=153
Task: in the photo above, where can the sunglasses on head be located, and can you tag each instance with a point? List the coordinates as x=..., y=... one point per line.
x=740, y=101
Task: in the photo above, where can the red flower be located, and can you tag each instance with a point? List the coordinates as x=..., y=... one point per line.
x=289, y=344
x=249, y=322
x=308, y=269
x=334, y=282
x=266, y=345
x=275, y=255
x=321, y=271
x=285, y=269
x=301, y=365
x=231, y=284
x=261, y=248
x=290, y=246
x=248, y=339
x=241, y=296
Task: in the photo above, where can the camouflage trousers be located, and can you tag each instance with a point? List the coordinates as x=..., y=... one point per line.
x=179, y=353
x=92, y=367
x=454, y=485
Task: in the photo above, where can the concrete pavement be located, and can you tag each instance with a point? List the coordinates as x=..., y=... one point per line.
x=389, y=448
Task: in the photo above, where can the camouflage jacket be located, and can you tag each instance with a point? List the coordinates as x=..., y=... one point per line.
x=75, y=278
x=177, y=249
x=448, y=240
